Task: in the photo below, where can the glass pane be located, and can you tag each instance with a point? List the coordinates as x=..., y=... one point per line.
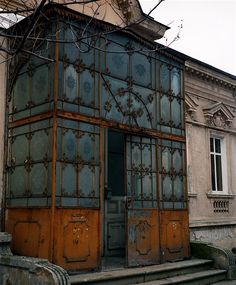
x=211, y=145
x=20, y=149
x=166, y=159
x=219, y=173
x=213, y=185
x=39, y=145
x=40, y=90
x=71, y=50
x=87, y=89
x=70, y=83
x=178, y=190
x=86, y=53
x=86, y=147
x=69, y=180
x=167, y=188
x=21, y=92
x=175, y=112
x=146, y=156
x=177, y=161
x=165, y=110
x=164, y=77
x=136, y=188
x=18, y=181
x=141, y=69
x=175, y=81
x=118, y=63
x=217, y=146
x=38, y=180
x=147, y=187
x=86, y=181
x=70, y=145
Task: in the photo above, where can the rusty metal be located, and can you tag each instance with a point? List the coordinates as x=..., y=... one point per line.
x=114, y=125
x=30, y=119
x=54, y=152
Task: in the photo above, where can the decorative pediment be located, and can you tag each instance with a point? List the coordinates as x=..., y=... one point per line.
x=190, y=107
x=218, y=115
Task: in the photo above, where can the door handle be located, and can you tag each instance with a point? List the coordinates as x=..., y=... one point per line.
x=128, y=202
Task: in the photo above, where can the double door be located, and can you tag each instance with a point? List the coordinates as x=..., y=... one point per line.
x=131, y=221
x=136, y=228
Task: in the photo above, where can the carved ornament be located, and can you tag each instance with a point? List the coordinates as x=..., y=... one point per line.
x=218, y=115
x=190, y=107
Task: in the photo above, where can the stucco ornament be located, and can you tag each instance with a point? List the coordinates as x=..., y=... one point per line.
x=190, y=107
x=218, y=115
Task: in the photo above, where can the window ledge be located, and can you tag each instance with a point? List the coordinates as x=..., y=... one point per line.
x=192, y=195
x=217, y=195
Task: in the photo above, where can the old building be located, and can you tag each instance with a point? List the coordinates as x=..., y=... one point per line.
x=211, y=144
x=96, y=164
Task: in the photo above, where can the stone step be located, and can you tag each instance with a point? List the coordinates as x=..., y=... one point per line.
x=197, y=278
x=225, y=282
x=139, y=275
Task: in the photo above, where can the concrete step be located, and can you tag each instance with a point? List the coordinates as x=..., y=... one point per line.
x=196, y=278
x=225, y=282
x=139, y=275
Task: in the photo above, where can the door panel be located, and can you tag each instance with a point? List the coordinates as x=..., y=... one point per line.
x=143, y=237
x=76, y=240
x=174, y=235
x=115, y=225
x=142, y=214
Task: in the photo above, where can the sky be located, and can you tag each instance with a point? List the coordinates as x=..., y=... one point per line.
x=209, y=29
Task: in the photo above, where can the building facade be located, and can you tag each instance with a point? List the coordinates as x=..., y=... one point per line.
x=211, y=144
x=96, y=164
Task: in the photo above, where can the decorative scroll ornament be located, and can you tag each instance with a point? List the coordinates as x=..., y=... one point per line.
x=218, y=115
x=190, y=108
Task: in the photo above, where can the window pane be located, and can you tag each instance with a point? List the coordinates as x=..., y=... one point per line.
x=211, y=144
x=213, y=173
x=217, y=146
x=219, y=173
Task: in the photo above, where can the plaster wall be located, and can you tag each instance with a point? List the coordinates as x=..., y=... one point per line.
x=205, y=89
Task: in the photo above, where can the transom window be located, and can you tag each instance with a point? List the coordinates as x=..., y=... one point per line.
x=218, y=171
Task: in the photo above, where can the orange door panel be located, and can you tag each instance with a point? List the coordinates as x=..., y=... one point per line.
x=30, y=229
x=76, y=238
x=143, y=237
x=174, y=235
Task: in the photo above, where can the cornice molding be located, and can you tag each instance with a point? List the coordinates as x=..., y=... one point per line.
x=200, y=74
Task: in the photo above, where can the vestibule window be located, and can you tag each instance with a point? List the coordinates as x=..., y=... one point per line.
x=218, y=171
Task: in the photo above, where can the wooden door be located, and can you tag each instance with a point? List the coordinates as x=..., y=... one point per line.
x=141, y=202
